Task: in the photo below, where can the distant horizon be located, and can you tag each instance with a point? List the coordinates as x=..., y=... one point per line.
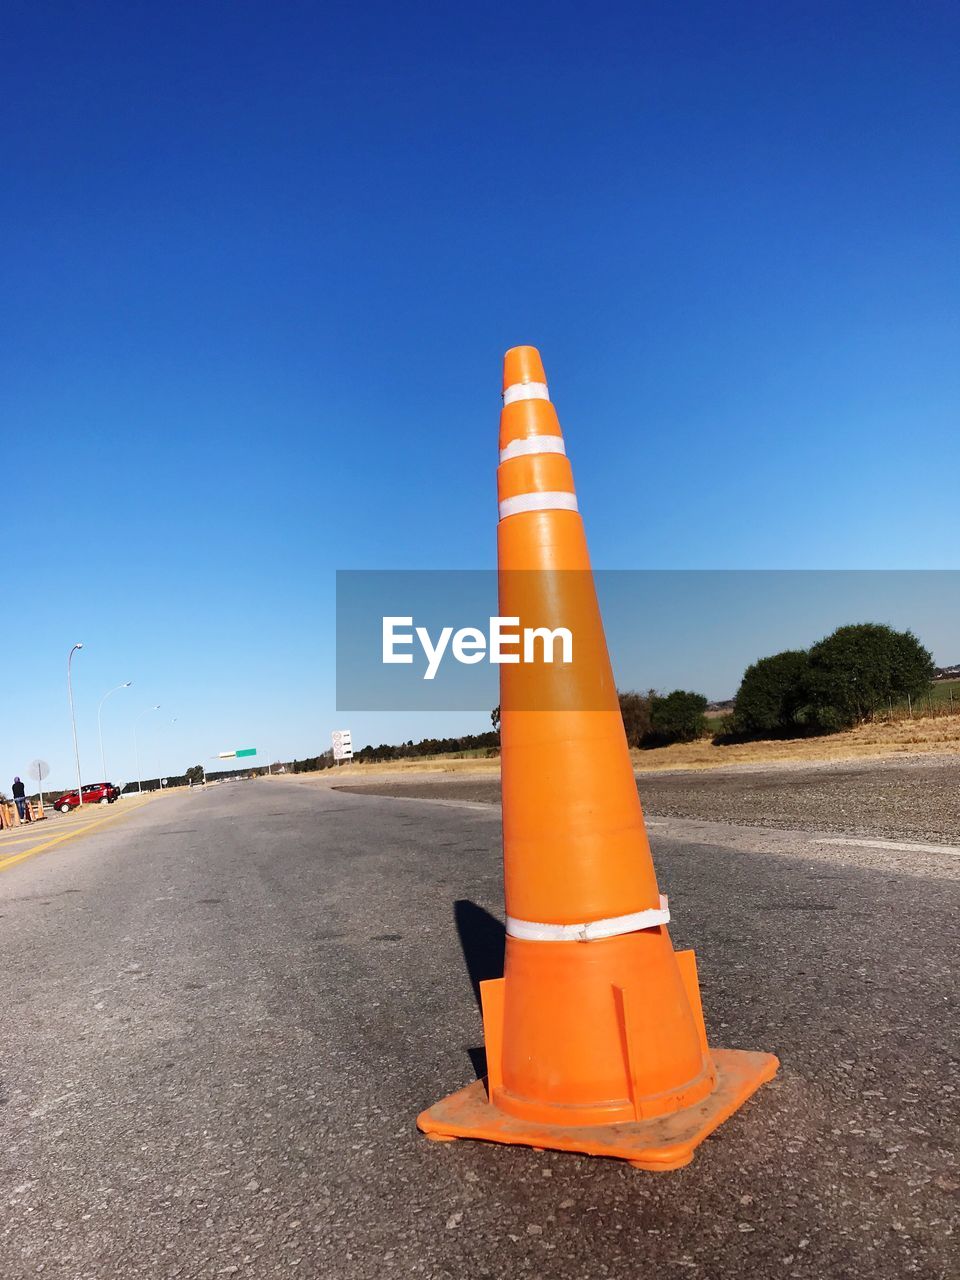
x=690, y=629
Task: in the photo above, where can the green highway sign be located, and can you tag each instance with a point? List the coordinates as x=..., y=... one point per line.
x=247, y=751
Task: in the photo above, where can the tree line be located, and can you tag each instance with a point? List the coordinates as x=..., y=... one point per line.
x=482, y=743
x=841, y=681
x=473, y=743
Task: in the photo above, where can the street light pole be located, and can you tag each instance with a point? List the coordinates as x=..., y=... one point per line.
x=160, y=762
x=73, y=721
x=103, y=763
x=136, y=745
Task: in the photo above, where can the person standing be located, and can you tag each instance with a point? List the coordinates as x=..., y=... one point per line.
x=20, y=799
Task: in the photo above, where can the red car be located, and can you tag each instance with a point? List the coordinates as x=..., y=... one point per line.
x=93, y=793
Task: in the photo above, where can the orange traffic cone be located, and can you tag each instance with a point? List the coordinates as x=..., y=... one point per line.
x=595, y=1038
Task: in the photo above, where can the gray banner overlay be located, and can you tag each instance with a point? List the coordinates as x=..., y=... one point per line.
x=665, y=629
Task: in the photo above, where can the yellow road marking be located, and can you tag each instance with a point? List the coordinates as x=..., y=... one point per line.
x=68, y=835
x=10, y=835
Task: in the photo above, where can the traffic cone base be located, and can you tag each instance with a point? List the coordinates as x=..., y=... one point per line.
x=658, y=1145
x=583, y=1046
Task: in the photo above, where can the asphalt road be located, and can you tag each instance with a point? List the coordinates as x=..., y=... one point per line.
x=913, y=798
x=222, y=1013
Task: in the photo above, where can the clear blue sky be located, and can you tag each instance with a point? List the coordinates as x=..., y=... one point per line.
x=260, y=263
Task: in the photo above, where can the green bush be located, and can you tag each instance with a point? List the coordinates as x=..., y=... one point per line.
x=679, y=717
x=859, y=669
x=842, y=680
x=635, y=709
x=772, y=695
x=723, y=728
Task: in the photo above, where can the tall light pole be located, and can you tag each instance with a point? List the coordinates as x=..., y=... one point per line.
x=160, y=762
x=103, y=763
x=136, y=745
x=73, y=721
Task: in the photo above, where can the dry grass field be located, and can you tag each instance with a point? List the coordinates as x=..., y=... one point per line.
x=935, y=735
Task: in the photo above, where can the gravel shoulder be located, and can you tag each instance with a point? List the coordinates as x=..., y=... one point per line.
x=913, y=798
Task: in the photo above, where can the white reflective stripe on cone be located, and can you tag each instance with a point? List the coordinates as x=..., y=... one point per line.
x=525, y=391
x=532, y=444
x=556, y=501
x=591, y=929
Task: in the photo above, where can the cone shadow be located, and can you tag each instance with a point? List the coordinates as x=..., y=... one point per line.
x=482, y=941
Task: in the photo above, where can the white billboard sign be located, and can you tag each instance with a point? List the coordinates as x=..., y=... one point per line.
x=342, y=744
